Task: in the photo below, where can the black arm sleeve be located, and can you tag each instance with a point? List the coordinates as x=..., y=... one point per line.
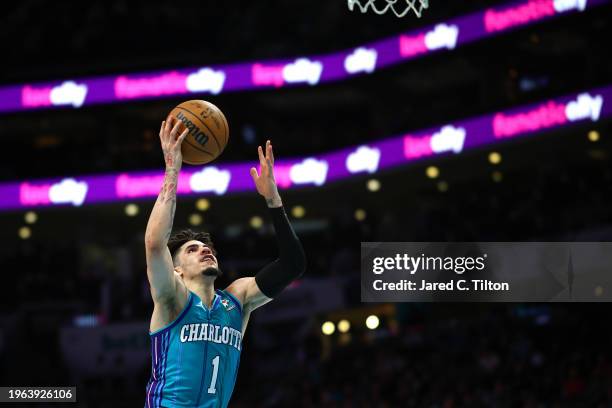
x=291, y=262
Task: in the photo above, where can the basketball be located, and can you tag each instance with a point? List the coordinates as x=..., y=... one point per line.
x=208, y=131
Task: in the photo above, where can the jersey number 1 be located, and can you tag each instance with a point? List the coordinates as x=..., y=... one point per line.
x=213, y=381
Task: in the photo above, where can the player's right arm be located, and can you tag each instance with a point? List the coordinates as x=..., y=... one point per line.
x=160, y=268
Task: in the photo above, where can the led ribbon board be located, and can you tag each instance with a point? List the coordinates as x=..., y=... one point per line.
x=449, y=138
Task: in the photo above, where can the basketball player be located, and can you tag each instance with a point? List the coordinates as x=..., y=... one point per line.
x=196, y=331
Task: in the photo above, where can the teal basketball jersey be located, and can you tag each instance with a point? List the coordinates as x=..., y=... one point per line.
x=195, y=358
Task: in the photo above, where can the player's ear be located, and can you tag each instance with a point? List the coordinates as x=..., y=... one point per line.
x=179, y=271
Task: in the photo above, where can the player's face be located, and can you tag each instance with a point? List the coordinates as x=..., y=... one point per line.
x=198, y=259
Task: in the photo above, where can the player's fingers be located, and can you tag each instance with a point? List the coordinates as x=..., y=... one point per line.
x=161, y=129
x=270, y=169
x=253, y=172
x=182, y=136
x=261, y=156
x=168, y=125
x=269, y=154
x=175, y=129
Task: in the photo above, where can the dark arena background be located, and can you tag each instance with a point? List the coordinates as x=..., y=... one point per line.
x=480, y=121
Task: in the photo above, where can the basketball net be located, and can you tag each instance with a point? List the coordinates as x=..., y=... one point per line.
x=391, y=4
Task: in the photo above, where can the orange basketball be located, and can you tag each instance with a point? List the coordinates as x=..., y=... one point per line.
x=208, y=131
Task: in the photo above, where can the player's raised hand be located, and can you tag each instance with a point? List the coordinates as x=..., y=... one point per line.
x=264, y=181
x=171, y=142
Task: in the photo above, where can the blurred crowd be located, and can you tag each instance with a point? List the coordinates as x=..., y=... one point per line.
x=493, y=356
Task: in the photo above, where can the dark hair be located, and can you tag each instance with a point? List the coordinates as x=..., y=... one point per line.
x=179, y=238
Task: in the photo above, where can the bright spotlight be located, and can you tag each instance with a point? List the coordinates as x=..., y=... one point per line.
x=344, y=326
x=373, y=185
x=495, y=158
x=25, y=232
x=30, y=217
x=360, y=214
x=202, y=204
x=432, y=172
x=328, y=328
x=195, y=219
x=256, y=222
x=298, y=211
x=131, y=210
x=593, y=136
x=372, y=322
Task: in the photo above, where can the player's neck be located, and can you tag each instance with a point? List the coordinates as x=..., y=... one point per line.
x=205, y=289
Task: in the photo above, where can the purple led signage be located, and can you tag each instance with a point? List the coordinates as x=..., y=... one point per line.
x=305, y=71
x=449, y=138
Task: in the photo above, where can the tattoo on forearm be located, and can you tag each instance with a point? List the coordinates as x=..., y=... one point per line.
x=168, y=192
x=162, y=216
x=168, y=159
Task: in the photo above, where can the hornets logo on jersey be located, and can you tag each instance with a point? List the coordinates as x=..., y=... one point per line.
x=195, y=358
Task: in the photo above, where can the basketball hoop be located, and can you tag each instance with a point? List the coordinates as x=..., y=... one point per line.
x=410, y=5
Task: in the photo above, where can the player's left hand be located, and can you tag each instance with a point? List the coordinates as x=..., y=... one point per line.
x=264, y=181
